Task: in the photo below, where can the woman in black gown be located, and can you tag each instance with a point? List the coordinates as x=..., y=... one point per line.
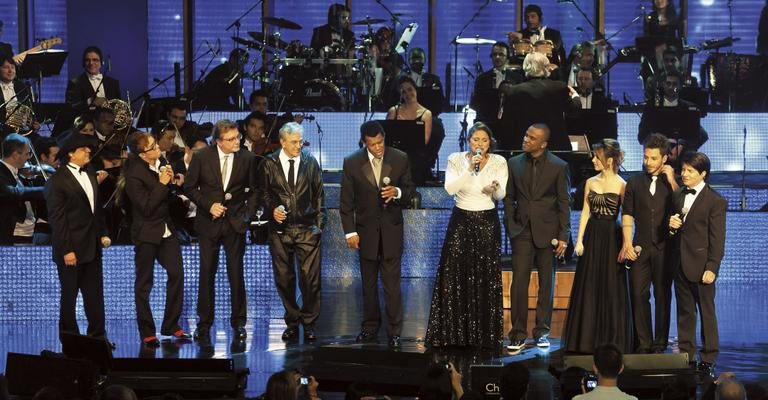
x=599, y=308
x=466, y=303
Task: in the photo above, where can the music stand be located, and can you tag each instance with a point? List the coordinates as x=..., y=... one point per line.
x=406, y=38
x=42, y=64
x=431, y=98
x=408, y=136
x=596, y=125
x=675, y=123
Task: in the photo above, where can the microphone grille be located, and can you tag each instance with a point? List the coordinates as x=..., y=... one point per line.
x=554, y=242
x=386, y=180
x=684, y=210
x=638, y=248
x=162, y=168
x=227, y=196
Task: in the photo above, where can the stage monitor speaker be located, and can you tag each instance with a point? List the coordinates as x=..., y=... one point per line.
x=392, y=373
x=191, y=378
x=485, y=380
x=635, y=361
x=82, y=347
x=26, y=374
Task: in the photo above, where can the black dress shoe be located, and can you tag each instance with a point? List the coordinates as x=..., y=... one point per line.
x=394, y=341
x=290, y=334
x=202, y=335
x=240, y=332
x=366, y=336
x=309, y=334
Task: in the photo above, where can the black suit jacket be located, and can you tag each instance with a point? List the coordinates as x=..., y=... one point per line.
x=150, y=202
x=360, y=205
x=539, y=100
x=79, y=90
x=203, y=186
x=547, y=209
x=12, y=198
x=651, y=213
x=700, y=242
x=321, y=37
x=74, y=227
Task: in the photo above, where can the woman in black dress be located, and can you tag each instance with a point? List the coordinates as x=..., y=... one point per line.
x=599, y=308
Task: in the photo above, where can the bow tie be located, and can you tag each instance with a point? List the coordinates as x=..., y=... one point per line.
x=689, y=191
x=96, y=77
x=76, y=168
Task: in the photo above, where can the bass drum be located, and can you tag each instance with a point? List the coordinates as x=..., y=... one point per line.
x=318, y=95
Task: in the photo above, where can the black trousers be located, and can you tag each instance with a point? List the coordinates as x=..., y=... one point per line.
x=390, y=271
x=234, y=249
x=297, y=243
x=651, y=270
x=525, y=257
x=88, y=279
x=168, y=254
x=692, y=297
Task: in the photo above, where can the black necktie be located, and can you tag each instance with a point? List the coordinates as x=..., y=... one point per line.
x=689, y=191
x=291, y=182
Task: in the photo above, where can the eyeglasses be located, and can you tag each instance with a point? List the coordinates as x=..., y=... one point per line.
x=155, y=146
x=232, y=139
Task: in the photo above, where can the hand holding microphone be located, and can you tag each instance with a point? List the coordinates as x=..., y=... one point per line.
x=280, y=214
x=166, y=174
x=388, y=193
x=636, y=252
x=676, y=221
x=559, y=248
x=218, y=209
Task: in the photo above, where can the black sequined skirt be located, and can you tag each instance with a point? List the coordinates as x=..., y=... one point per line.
x=466, y=305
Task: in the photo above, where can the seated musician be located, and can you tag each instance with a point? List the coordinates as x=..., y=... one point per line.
x=489, y=82
x=109, y=159
x=14, y=92
x=259, y=101
x=334, y=39
x=669, y=97
x=17, y=218
x=254, y=134
x=91, y=89
x=427, y=82
x=582, y=57
x=176, y=114
x=222, y=87
x=591, y=96
x=165, y=138
x=536, y=31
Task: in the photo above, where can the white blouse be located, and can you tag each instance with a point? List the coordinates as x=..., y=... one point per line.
x=467, y=187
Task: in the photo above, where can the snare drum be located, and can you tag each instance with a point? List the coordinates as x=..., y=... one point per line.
x=522, y=47
x=544, y=47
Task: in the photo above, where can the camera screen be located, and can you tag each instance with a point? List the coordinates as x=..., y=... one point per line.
x=591, y=384
x=304, y=380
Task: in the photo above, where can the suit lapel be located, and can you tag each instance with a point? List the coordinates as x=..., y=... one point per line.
x=386, y=166
x=368, y=169
x=74, y=183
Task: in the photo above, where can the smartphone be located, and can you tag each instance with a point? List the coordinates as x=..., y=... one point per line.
x=590, y=382
x=303, y=380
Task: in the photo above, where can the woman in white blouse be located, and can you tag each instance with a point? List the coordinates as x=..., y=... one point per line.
x=466, y=305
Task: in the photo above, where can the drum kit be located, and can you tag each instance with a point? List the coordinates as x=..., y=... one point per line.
x=326, y=79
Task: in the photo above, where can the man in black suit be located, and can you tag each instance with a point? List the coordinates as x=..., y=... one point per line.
x=153, y=235
x=669, y=98
x=78, y=236
x=220, y=181
x=291, y=186
x=698, y=234
x=647, y=197
x=536, y=210
x=428, y=86
x=538, y=100
x=91, y=89
x=536, y=31
x=334, y=39
x=375, y=187
x=591, y=96
x=486, y=97
x=15, y=198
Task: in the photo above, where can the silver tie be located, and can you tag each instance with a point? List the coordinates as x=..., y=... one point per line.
x=652, y=188
x=377, y=170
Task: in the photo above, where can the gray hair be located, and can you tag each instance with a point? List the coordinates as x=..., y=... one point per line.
x=290, y=128
x=536, y=65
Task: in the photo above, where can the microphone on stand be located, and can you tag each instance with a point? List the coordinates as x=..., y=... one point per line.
x=628, y=263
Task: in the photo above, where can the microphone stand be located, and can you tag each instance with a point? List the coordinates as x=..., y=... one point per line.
x=319, y=144
x=743, y=202
x=236, y=23
x=456, y=50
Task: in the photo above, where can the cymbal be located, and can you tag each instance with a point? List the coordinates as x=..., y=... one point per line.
x=269, y=40
x=246, y=42
x=474, y=40
x=369, y=21
x=281, y=23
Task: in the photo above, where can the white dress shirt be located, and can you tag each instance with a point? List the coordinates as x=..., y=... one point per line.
x=690, y=198
x=467, y=187
x=95, y=81
x=230, y=163
x=27, y=227
x=85, y=183
x=8, y=93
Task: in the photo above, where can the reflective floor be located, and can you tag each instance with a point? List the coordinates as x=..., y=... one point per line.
x=742, y=317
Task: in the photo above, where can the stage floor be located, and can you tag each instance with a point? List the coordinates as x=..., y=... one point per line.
x=742, y=318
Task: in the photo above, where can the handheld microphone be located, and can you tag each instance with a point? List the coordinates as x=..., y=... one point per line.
x=628, y=263
x=227, y=197
x=478, y=152
x=680, y=215
x=554, y=242
x=386, y=181
x=281, y=208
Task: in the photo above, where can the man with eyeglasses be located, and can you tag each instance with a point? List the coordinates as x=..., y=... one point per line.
x=17, y=219
x=220, y=181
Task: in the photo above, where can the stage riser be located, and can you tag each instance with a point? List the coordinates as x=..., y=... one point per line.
x=29, y=288
x=726, y=135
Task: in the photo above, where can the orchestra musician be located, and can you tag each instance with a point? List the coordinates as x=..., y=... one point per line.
x=17, y=218
x=14, y=92
x=92, y=88
x=222, y=87
x=176, y=115
x=259, y=101
x=255, y=137
x=535, y=31
x=489, y=81
x=335, y=39
x=426, y=82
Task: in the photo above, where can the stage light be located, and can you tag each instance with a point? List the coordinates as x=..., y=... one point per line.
x=707, y=3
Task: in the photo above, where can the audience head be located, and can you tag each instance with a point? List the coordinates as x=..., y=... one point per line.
x=607, y=154
x=118, y=392
x=608, y=361
x=437, y=383
x=536, y=65
x=513, y=381
x=283, y=385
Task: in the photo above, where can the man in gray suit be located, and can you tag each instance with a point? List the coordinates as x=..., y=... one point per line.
x=536, y=211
